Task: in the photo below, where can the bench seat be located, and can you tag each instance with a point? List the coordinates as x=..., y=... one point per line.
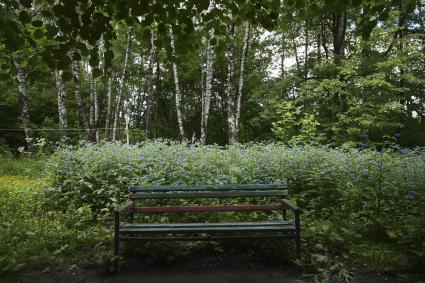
x=274, y=226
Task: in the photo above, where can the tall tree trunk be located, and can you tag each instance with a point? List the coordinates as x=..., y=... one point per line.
x=297, y=59
x=206, y=94
x=307, y=43
x=178, y=94
x=95, y=110
x=149, y=87
x=282, y=56
x=158, y=101
x=282, y=64
x=403, y=100
x=241, y=79
x=91, y=113
x=23, y=103
x=339, y=26
x=318, y=50
x=231, y=92
x=323, y=37
x=62, y=110
x=122, y=84
x=81, y=112
x=109, y=107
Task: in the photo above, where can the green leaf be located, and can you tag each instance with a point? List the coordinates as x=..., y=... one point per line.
x=37, y=23
x=83, y=48
x=26, y=3
x=51, y=30
x=24, y=17
x=38, y=33
x=46, y=13
x=96, y=72
x=213, y=41
x=66, y=76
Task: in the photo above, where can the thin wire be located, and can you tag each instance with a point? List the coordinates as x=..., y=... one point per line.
x=53, y=129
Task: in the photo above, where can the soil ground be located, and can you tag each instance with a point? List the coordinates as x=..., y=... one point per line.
x=196, y=271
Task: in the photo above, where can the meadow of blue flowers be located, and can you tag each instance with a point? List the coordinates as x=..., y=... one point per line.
x=361, y=206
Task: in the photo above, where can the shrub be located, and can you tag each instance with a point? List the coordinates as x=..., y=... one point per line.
x=368, y=197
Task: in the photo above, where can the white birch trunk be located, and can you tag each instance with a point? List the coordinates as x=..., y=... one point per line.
x=231, y=92
x=96, y=110
x=178, y=93
x=62, y=110
x=149, y=86
x=307, y=43
x=91, y=113
x=109, y=107
x=241, y=79
x=206, y=99
x=282, y=57
x=81, y=113
x=23, y=103
x=122, y=84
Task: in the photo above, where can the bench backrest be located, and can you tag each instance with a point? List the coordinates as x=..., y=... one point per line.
x=208, y=191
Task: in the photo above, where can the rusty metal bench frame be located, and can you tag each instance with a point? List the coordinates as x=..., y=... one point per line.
x=207, y=231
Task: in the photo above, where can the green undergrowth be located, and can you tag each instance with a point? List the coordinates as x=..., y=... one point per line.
x=363, y=210
x=36, y=234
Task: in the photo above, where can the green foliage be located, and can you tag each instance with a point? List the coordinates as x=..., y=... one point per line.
x=24, y=166
x=36, y=234
x=293, y=125
x=352, y=199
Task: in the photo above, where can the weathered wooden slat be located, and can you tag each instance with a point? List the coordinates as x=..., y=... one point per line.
x=208, y=237
x=194, y=195
x=223, y=187
x=207, y=229
x=214, y=224
x=208, y=208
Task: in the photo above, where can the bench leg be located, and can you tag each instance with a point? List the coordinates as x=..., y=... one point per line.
x=116, y=242
x=297, y=235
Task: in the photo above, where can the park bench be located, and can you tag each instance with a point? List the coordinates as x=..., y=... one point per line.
x=207, y=231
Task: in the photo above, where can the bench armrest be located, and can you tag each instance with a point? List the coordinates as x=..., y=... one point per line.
x=125, y=207
x=290, y=205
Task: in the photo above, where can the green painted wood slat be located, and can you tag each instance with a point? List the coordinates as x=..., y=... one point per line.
x=213, y=224
x=223, y=187
x=195, y=195
x=208, y=237
x=208, y=229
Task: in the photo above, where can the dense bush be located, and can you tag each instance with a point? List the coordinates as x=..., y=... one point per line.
x=353, y=199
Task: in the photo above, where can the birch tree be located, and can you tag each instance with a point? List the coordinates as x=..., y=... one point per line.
x=81, y=112
x=23, y=104
x=62, y=109
x=242, y=78
x=231, y=89
x=108, y=107
x=306, y=45
x=207, y=90
x=91, y=113
x=122, y=83
x=149, y=86
x=177, y=90
x=94, y=108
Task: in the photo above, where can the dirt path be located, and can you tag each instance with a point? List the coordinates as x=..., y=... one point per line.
x=200, y=268
x=234, y=276
x=271, y=275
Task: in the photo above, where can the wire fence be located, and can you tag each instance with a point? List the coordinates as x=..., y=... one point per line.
x=58, y=130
